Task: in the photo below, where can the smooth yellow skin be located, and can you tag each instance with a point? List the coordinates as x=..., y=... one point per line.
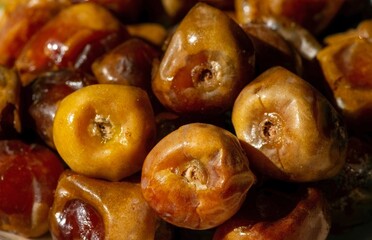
x=85, y=150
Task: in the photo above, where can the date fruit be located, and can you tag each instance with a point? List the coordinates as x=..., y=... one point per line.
x=346, y=63
x=197, y=176
x=19, y=21
x=289, y=130
x=88, y=208
x=279, y=213
x=315, y=16
x=28, y=177
x=200, y=74
x=130, y=63
x=46, y=92
x=105, y=130
x=74, y=38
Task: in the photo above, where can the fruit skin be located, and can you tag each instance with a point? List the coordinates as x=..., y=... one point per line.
x=277, y=212
x=28, y=177
x=119, y=207
x=19, y=21
x=208, y=60
x=105, y=130
x=312, y=15
x=345, y=63
x=74, y=38
x=130, y=63
x=197, y=176
x=46, y=92
x=288, y=129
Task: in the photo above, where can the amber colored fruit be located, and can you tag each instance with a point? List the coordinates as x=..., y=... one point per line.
x=130, y=63
x=105, y=130
x=19, y=21
x=197, y=176
x=46, y=92
x=88, y=208
x=28, y=178
x=288, y=129
x=313, y=15
x=74, y=38
x=208, y=60
x=346, y=63
x=279, y=213
x=10, y=117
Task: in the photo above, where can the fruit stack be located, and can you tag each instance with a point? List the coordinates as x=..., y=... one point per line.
x=169, y=119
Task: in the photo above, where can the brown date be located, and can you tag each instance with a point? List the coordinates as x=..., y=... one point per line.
x=46, y=92
x=315, y=16
x=289, y=130
x=130, y=63
x=74, y=38
x=28, y=178
x=19, y=21
x=200, y=74
x=346, y=63
x=197, y=176
x=88, y=208
x=278, y=211
x=272, y=49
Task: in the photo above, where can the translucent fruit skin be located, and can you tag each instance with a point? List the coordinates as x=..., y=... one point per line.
x=98, y=209
x=73, y=38
x=28, y=178
x=288, y=129
x=197, y=176
x=200, y=74
x=105, y=130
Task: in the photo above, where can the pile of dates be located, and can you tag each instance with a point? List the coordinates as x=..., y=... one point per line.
x=170, y=119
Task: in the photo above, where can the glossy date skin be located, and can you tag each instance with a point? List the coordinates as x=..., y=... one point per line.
x=72, y=39
x=289, y=130
x=199, y=74
x=28, y=177
x=315, y=16
x=19, y=21
x=196, y=185
x=86, y=207
x=130, y=63
x=46, y=92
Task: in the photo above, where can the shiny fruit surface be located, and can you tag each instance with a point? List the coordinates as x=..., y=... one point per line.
x=74, y=38
x=130, y=63
x=89, y=208
x=28, y=177
x=105, y=130
x=200, y=74
x=289, y=130
x=19, y=21
x=197, y=176
x=46, y=91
